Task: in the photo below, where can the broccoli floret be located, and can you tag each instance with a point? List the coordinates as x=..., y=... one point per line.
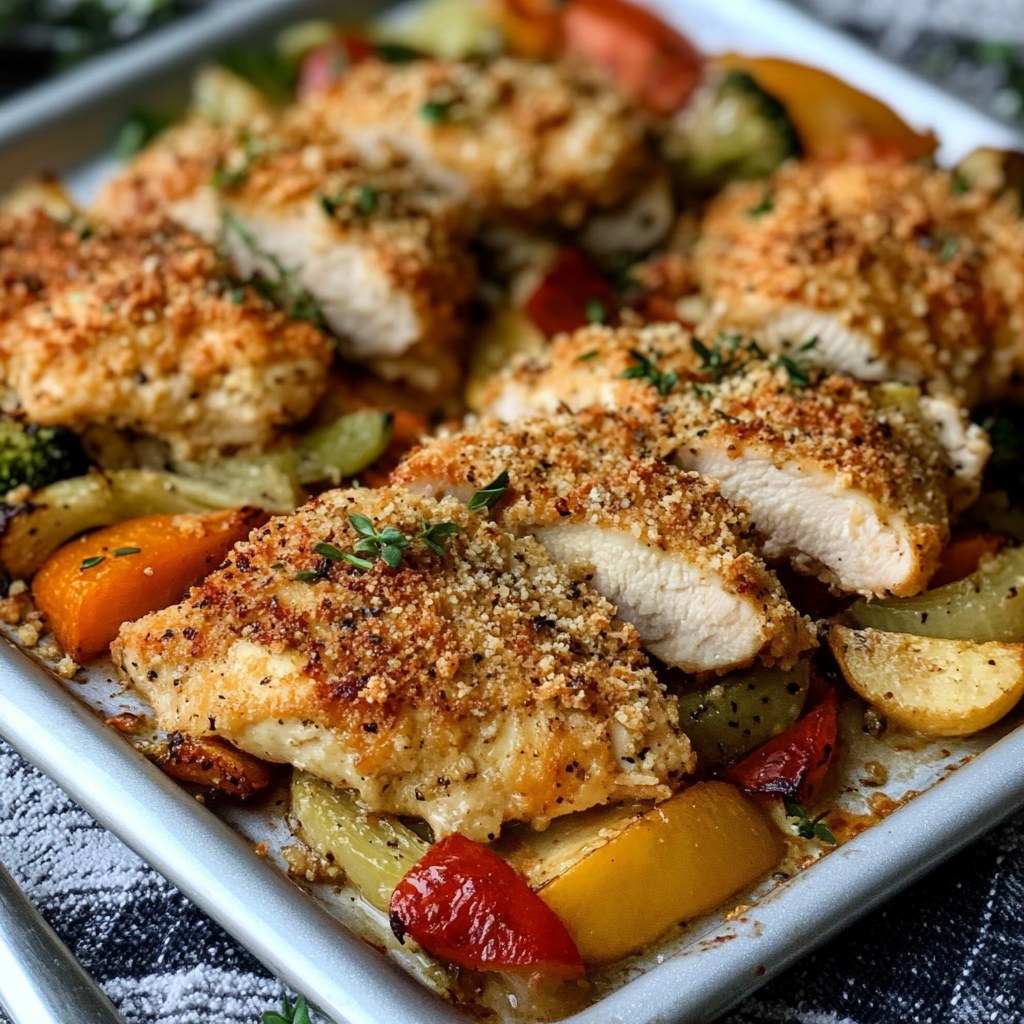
x=37, y=456
x=732, y=129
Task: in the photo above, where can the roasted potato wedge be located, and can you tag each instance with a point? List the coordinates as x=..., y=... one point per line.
x=931, y=685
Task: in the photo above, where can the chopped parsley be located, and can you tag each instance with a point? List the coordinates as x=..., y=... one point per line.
x=289, y=1014
x=437, y=111
x=766, y=205
x=959, y=184
x=949, y=248
x=487, y=497
x=92, y=562
x=646, y=369
x=809, y=828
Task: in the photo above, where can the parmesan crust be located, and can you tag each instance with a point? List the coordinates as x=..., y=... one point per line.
x=513, y=137
x=470, y=689
x=144, y=330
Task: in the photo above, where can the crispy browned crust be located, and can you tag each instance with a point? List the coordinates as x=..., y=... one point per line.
x=145, y=330
x=302, y=175
x=407, y=668
x=600, y=469
x=520, y=137
x=886, y=250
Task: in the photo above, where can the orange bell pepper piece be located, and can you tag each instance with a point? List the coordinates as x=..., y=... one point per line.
x=963, y=554
x=833, y=120
x=90, y=586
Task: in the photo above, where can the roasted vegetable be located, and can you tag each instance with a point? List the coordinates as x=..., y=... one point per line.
x=374, y=851
x=992, y=170
x=343, y=448
x=88, y=588
x=692, y=852
x=53, y=515
x=793, y=764
x=507, y=333
x=987, y=605
x=938, y=687
x=833, y=120
x=963, y=554
x=211, y=764
x=731, y=130
x=463, y=903
x=571, y=294
x=742, y=711
x=35, y=456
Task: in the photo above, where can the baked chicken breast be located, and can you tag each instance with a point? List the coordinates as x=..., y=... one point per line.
x=678, y=560
x=146, y=331
x=378, y=253
x=469, y=687
x=880, y=263
x=515, y=138
x=853, y=482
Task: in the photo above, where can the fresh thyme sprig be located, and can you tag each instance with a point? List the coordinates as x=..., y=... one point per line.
x=282, y=288
x=646, y=369
x=435, y=535
x=289, y=1014
x=388, y=544
x=487, y=497
x=766, y=205
x=809, y=828
x=727, y=354
x=799, y=370
x=366, y=200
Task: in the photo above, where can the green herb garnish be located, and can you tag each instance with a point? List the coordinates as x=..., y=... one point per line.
x=766, y=205
x=587, y=356
x=281, y=287
x=387, y=544
x=328, y=551
x=367, y=199
x=487, y=497
x=959, y=184
x=435, y=535
x=949, y=248
x=226, y=178
x=726, y=355
x=437, y=111
x=799, y=373
x=92, y=561
x=289, y=1014
x=137, y=131
x=645, y=369
x=595, y=311
x=809, y=828
x=122, y=552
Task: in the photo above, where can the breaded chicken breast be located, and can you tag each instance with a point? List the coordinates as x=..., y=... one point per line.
x=626, y=369
x=877, y=262
x=146, y=331
x=515, y=138
x=852, y=483
x=382, y=253
x=469, y=687
x=676, y=558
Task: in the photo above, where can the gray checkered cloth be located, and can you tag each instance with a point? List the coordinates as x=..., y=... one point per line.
x=950, y=949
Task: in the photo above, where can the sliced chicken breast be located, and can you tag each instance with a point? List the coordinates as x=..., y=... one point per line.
x=471, y=687
x=677, y=559
x=380, y=255
x=853, y=483
x=516, y=138
x=878, y=264
x=146, y=331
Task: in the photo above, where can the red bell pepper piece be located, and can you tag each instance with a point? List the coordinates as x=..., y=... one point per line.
x=326, y=63
x=653, y=62
x=571, y=294
x=795, y=762
x=463, y=903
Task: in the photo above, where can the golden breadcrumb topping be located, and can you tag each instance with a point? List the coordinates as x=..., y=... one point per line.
x=387, y=680
x=880, y=250
x=146, y=330
x=516, y=137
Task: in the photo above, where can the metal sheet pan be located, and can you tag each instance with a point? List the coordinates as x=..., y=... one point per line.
x=694, y=975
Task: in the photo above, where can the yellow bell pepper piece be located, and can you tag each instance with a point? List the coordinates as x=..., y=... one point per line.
x=681, y=859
